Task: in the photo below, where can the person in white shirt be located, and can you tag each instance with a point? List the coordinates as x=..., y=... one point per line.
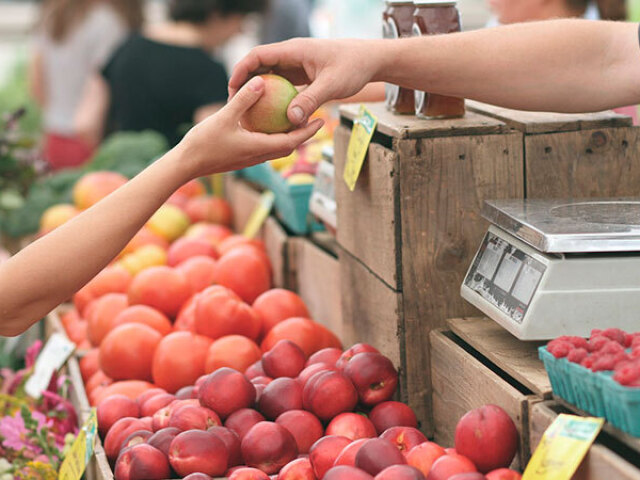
x=74, y=39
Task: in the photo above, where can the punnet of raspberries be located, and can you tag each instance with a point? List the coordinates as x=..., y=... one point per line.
x=605, y=350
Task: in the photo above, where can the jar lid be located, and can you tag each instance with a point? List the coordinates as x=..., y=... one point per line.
x=434, y=3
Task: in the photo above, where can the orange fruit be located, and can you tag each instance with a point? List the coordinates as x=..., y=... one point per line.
x=233, y=351
x=126, y=353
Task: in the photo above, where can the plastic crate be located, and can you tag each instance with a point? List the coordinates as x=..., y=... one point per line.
x=259, y=174
x=597, y=393
x=292, y=204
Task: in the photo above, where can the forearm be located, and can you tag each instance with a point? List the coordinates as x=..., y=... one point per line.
x=51, y=269
x=561, y=65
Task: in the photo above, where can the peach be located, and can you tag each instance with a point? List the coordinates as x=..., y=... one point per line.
x=242, y=263
x=112, y=409
x=304, y=426
x=243, y=420
x=468, y=476
x=226, y=391
x=269, y=113
x=349, y=353
x=328, y=394
x=105, y=310
x=255, y=370
x=248, y=473
x=277, y=305
x=488, y=437
x=93, y=187
x=405, y=438
x=448, y=465
x=214, y=234
x=330, y=356
x=147, y=394
x=324, y=452
x=351, y=425
x=162, y=439
x=233, y=351
x=136, y=438
x=160, y=419
x=348, y=454
x=198, y=451
x=285, y=359
x=400, y=472
x=118, y=432
x=209, y=209
x=55, y=216
x=279, y=396
x=198, y=271
x=197, y=476
x=162, y=288
x=374, y=377
x=220, y=312
x=269, y=447
x=185, y=248
x=142, y=462
x=145, y=315
x=376, y=454
x=424, y=455
x=169, y=222
x=311, y=370
x=142, y=238
x=298, y=469
x=343, y=472
x=260, y=388
x=392, y=414
x=191, y=189
x=262, y=380
x=503, y=474
x=231, y=441
x=192, y=417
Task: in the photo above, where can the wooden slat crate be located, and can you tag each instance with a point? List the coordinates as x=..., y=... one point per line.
x=470, y=370
x=601, y=461
x=413, y=222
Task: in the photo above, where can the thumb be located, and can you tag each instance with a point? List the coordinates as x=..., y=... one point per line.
x=308, y=101
x=246, y=97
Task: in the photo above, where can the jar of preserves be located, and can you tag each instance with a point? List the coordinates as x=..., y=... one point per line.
x=436, y=17
x=398, y=23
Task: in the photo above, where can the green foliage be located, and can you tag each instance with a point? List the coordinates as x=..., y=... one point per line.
x=14, y=95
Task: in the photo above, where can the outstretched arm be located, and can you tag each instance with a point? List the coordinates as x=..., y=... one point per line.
x=559, y=65
x=51, y=269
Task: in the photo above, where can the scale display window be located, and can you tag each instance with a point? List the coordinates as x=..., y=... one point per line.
x=505, y=276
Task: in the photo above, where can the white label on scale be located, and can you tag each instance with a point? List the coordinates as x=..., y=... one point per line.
x=526, y=284
x=490, y=259
x=507, y=272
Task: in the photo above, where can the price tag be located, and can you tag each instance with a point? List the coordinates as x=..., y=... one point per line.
x=363, y=128
x=259, y=215
x=563, y=447
x=77, y=459
x=52, y=357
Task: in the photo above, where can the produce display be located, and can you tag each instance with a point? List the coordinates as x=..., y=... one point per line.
x=34, y=434
x=600, y=375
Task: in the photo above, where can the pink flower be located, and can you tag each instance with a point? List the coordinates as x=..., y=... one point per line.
x=14, y=434
x=32, y=353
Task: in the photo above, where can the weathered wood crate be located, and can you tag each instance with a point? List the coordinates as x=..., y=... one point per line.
x=476, y=363
x=410, y=229
x=607, y=458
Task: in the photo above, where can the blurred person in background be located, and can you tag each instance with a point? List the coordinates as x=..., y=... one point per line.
x=286, y=19
x=74, y=39
x=164, y=78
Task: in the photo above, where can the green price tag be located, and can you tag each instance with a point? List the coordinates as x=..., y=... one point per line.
x=77, y=459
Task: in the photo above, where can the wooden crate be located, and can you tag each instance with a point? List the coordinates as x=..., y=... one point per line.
x=602, y=461
x=414, y=223
x=574, y=155
x=314, y=273
x=495, y=368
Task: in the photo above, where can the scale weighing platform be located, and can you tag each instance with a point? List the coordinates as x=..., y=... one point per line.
x=550, y=267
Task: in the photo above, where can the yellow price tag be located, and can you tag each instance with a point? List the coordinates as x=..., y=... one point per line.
x=217, y=184
x=77, y=459
x=259, y=215
x=563, y=447
x=363, y=128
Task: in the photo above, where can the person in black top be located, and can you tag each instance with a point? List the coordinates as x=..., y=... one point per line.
x=164, y=78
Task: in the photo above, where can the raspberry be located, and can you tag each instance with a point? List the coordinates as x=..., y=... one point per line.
x=611, y=347
x=635, y=353
x=559, y=349
x=597, y=342
x=587, y=362
x=607, y=361
x=577, y=355
x=627, y=373
x=635, y=340
x=577, y=342
x=595, y=332
x=615, y=334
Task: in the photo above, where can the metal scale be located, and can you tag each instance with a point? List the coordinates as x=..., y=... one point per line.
x=550, y=267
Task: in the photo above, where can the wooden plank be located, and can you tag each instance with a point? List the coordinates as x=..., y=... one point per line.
x=409, y=126
x=462, y=383
x=517, y=358
x=443, y=184
x=372, y=311
x=368, y=217
x=316, y=278
x=243, y=199
x=597, y=163
x=548, y=122
x=276, y=242
x=600, y=462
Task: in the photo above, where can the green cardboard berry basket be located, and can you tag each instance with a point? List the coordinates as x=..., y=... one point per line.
x=292, y=204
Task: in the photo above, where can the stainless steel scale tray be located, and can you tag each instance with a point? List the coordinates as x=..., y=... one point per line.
x=570, y=226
